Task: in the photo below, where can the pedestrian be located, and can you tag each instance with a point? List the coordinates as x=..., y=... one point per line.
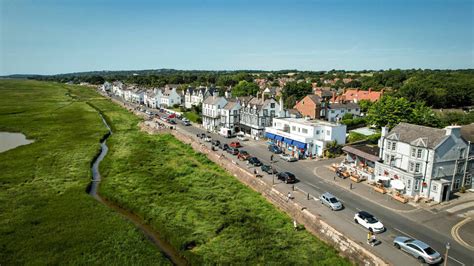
x=373, y=240
x=271, y=158
x=289, y=196
x=255, y=172
x=369, y=237
x=295, y=225
x=334, y=177
x=350, y=186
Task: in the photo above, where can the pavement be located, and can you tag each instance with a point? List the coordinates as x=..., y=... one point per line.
x=436, y=225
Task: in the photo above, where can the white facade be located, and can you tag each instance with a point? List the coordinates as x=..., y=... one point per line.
x=430, y=162
x=230, y=115
x=336, y=111
x=258, y=113
x=211, y=112
x=196, y=96
x=310, y=135
x=170, y=97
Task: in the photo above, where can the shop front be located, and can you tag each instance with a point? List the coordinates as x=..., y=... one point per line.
x=288, y=145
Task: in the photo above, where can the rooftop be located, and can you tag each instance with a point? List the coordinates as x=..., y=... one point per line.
x=304, y=121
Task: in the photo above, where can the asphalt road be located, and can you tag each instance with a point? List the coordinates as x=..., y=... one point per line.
x=396, y=223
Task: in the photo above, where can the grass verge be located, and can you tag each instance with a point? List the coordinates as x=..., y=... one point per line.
x=46, y=217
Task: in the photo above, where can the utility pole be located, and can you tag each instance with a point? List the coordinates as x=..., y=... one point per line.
x=273, y=171
x=448, y=246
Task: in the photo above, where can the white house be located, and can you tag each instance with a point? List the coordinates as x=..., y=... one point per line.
x=303, y=137
x=170, y=97
x=211, y=112
x=137, y=95
x=117, y=89
x=230, y=115
x=426, y=162
x=257, y=113
x=336, y=111
x=106, y=87
x=195, y=96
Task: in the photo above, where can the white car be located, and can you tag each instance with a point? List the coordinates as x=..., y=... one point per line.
x=369, y=221
x=207, y=139
x=242, y=137
x=288, y=158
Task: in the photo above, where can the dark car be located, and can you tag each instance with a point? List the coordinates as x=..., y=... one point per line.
x=243, y=155
x=171, y=121
x=286, y=177
x=202, y=135
x=275, y=149
x=255, y=161
x=233, y=151
x=268, y=169
x=216, y=143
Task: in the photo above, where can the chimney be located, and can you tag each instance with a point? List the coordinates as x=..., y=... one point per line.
x=384, y=131
x=453, y=130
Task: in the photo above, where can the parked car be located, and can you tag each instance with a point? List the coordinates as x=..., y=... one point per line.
x=268, y=169
x=207, y=138
x=288, y=158
x=171, y=121
x=369, y=221
x=216, y=142
x=223, y=146
x=186, y=123
x=235, y=144
x=243, y=155
x=242, y=137
x=203, y=135
x=286, y=177
x=418, y=249
x=255, y=161
x=331, y=201
x=185, y=119
x=233, y=151
x=274, y=148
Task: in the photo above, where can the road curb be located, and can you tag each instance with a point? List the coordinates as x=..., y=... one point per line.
x=457, y=237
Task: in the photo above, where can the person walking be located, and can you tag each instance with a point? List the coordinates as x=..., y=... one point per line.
x=288, y=197
x=369, y=237
x=295, y=225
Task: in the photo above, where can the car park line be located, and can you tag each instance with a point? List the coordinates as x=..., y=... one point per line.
x=460, y=263
x=403, y=232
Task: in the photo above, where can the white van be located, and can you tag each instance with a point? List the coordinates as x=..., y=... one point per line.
x=226, y=132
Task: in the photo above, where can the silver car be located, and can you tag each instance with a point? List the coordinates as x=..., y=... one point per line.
x=288, y=158
x=329, y=200
x=420, y=250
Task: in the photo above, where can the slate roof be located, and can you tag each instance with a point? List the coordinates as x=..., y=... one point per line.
x=365, y=151
x=408, y=133
x=467, y=132
x=230, y=105
x=212, y=100
x=343, y=105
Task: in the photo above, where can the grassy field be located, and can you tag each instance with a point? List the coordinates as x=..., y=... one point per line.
x=200, y=209
x=46, y=217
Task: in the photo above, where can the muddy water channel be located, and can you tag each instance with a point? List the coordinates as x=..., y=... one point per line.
x=169, y=251
x=10, y=141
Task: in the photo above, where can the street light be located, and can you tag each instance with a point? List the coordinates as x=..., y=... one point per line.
x=448, y=246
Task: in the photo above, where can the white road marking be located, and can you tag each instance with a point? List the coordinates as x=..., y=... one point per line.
x=456, y=260
x=404, y=233
x=461, y=207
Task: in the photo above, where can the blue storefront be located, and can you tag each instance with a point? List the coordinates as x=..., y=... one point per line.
x=297, y=148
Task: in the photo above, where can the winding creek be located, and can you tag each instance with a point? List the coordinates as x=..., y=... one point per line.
x=169, y=251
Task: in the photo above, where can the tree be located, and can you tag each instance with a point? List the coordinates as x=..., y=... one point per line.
x=389, y=111
x=294, y=91
x=245, y=88
x=424, y=115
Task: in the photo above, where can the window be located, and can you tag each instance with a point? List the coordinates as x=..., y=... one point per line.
x=417, y=167
x=411, y=167
x=235, y=112
x=272, y=105
x=468, y=180
x=413, y=152
x=460, y=168
x=272, y=113
x=392, y=160
x=415, y=248
x=394, y=146
x=332, y=111
x=389, y=144
x=348, y=110
x=317, y=132
x=419, y=153
x=409, y=184
x=387, y=158
x=298, y=129
x=304, y=130
x=417, y=184
x=293, y=128
x=434, y=188
x=265, y=112
x=328, y=132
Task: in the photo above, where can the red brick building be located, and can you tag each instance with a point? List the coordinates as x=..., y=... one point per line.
x=312, y=106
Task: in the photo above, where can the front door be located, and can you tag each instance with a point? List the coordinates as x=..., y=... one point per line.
x=445, y=193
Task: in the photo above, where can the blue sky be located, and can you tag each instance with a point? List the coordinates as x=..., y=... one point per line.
x=50, y=37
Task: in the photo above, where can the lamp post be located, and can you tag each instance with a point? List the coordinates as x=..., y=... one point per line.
x=448, y=246
x=273, y=172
